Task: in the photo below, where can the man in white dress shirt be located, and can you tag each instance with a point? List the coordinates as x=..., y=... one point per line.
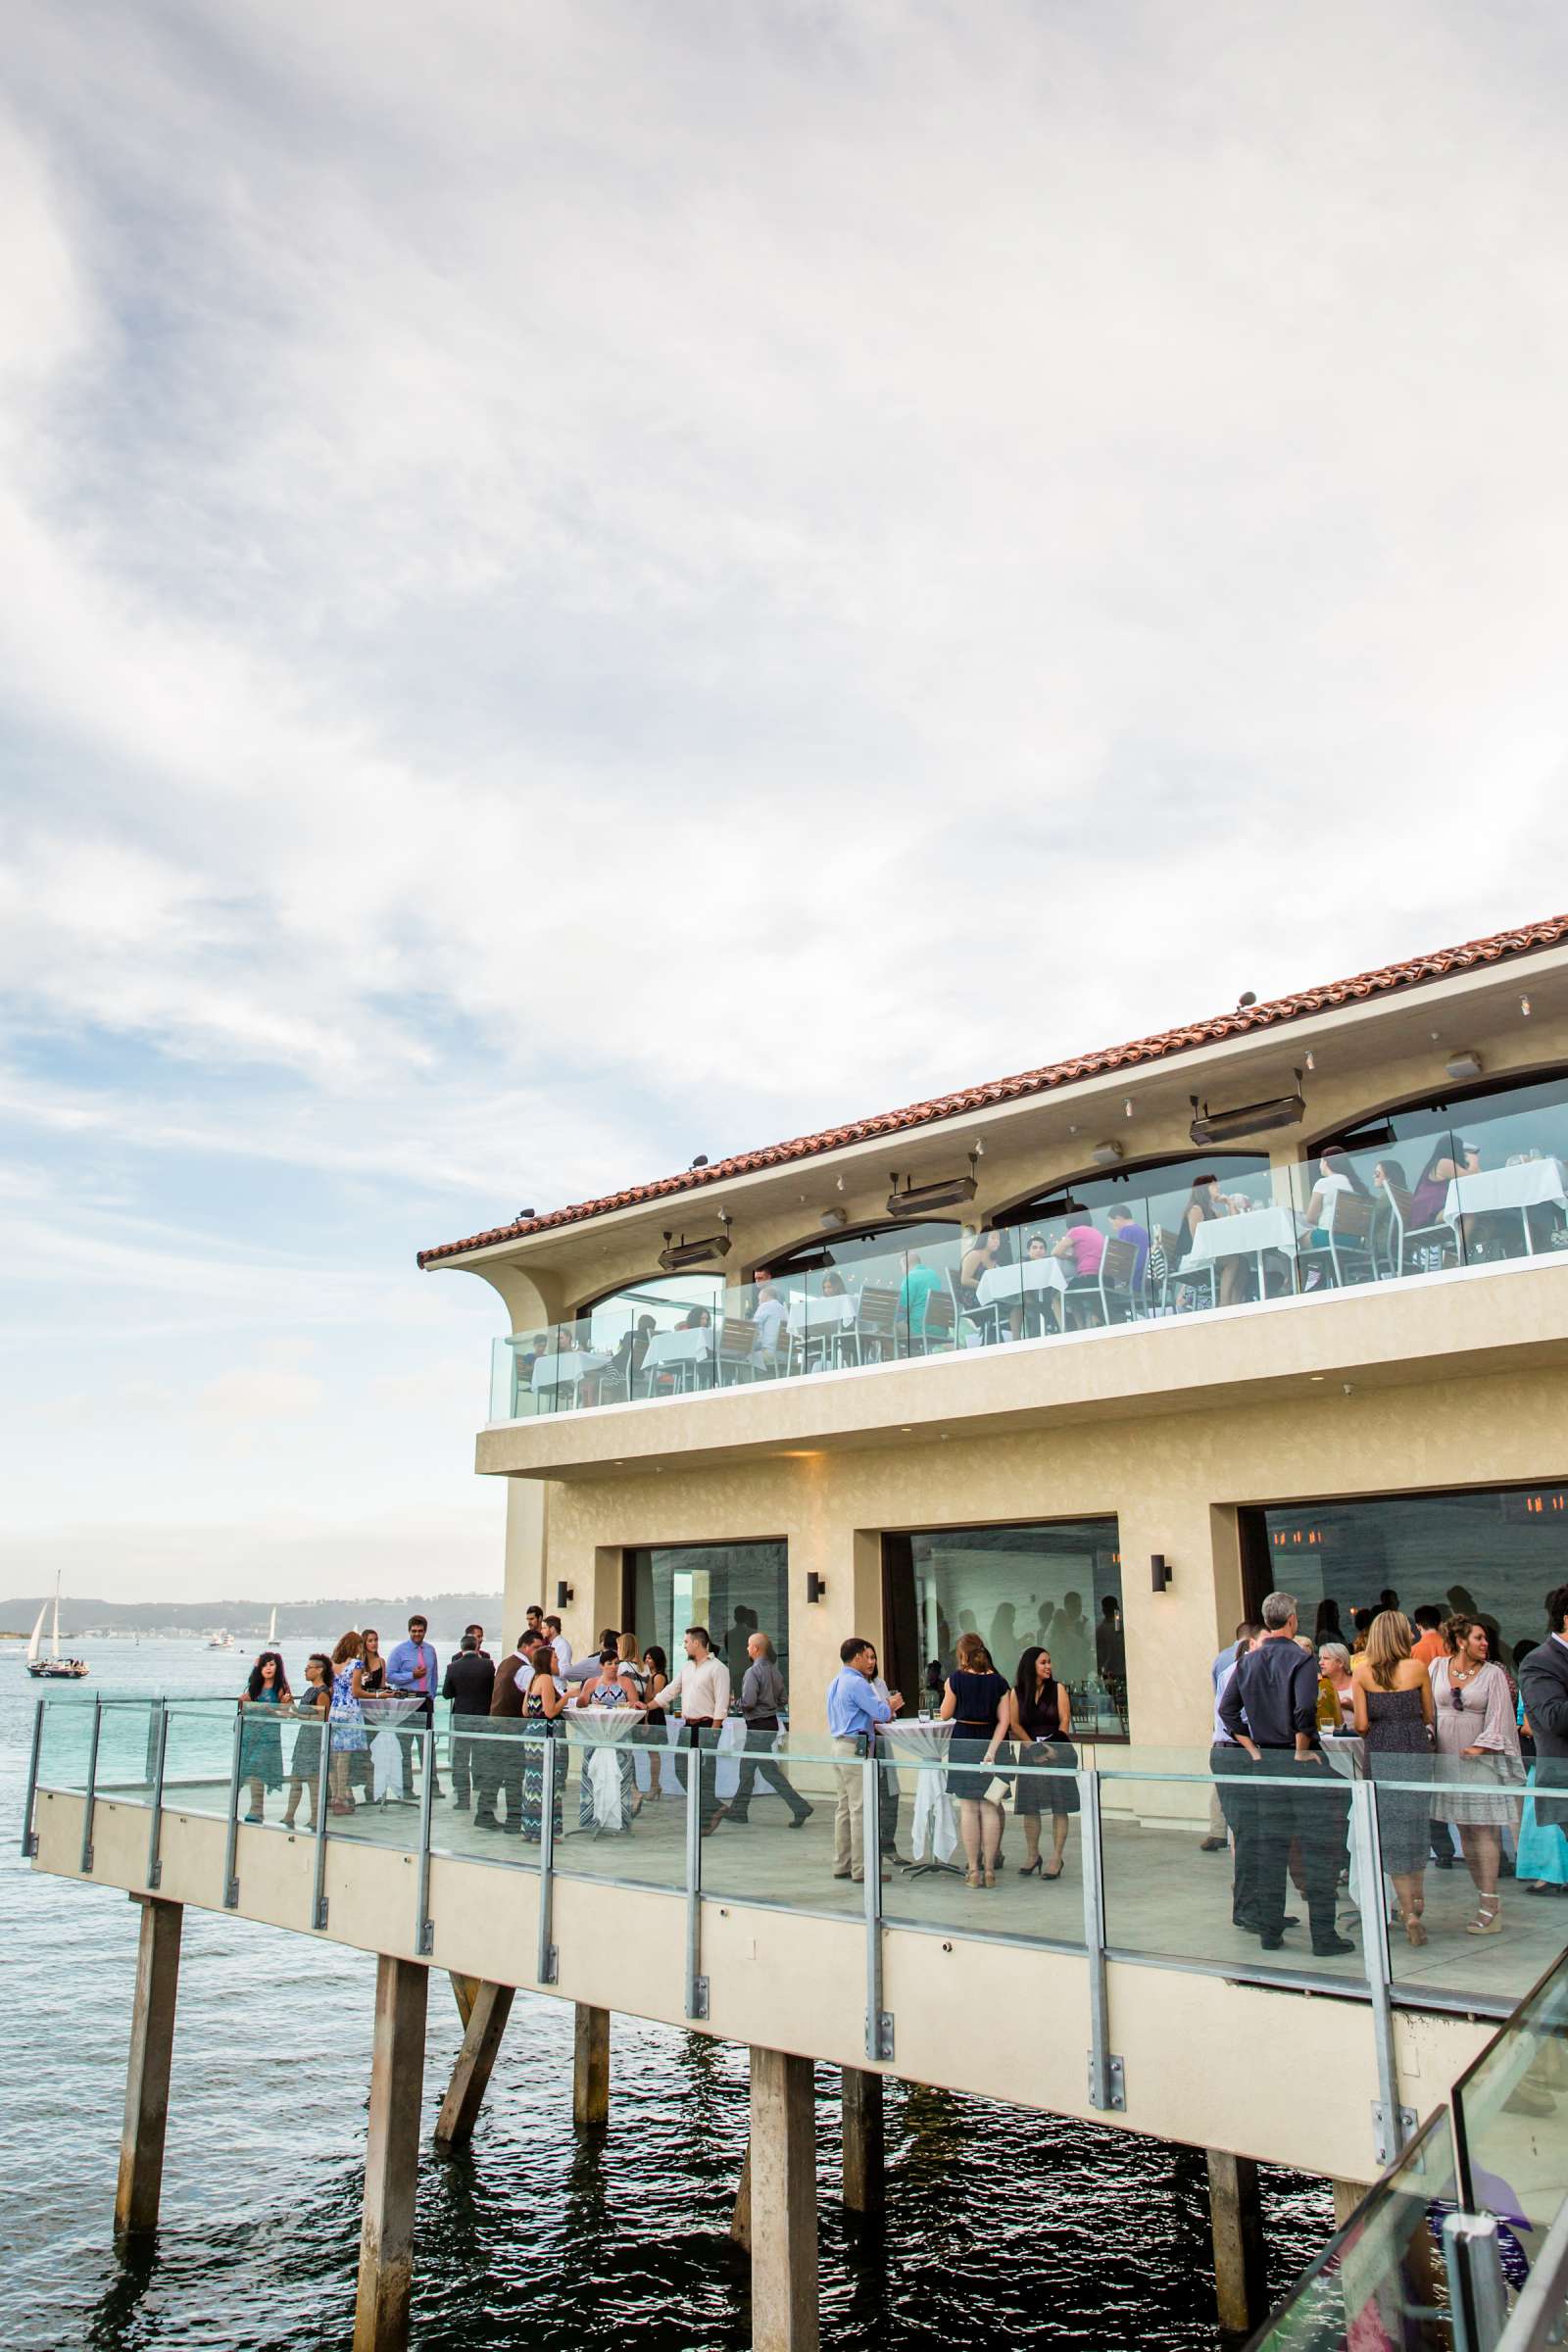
x=699, y=1691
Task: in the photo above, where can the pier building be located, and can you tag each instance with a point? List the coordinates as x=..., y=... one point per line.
x=1095, y=1356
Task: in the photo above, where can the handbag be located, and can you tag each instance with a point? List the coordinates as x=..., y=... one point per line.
x=996, y=1791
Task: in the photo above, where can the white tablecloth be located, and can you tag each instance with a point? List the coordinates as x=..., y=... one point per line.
x=556, y=1371
x=727, y=1773
x=820, y=1315
x=694, y=1347
x=1528, y=1186
x=386, y=1748
x=603, y=1729
x=998, y=1286
x=1246, y=1235
x=934, y=1836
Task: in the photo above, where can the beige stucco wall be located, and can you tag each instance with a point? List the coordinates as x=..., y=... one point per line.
x=1173, y=1479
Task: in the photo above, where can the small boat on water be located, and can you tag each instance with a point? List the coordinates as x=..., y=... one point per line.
x=53, y=1668
x=221, y=1639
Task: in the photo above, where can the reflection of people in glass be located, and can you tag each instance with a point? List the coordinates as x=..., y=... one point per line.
x=1004, y=1635
x=1070, y=1638
x=1110, y=1652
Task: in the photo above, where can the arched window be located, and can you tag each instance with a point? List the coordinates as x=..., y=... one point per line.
x=1157, y=1196
x=855, y=1247
x=662, y=1300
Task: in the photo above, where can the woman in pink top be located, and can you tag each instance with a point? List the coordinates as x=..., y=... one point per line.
x=1084, y=1245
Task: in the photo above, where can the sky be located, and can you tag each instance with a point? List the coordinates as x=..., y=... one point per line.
x=589, y=582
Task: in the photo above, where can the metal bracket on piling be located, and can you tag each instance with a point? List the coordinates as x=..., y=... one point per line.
x=91, y=1803
x=424, y=1925
x=548, y=1969
x=696, y=1982
x=878, y=2022
x=154, y=1828
x=231, y=1845
x=1392, y=2125
x=29, y=1836
x=1107, y=2079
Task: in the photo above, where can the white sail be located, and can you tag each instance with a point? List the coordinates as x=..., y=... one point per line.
x=53, y=1640
x=37, y=1636
x=271, y=1629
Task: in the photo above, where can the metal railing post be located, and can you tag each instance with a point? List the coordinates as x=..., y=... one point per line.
x=1478, y=2298
x=231, y=1841
x=423, y=1925
x=89, y=1807
x=1108, y=2086
x=1392, y=2124
x=878, y=2022
x=548, y=1969
x=29, y=1836
x=154, y=1828
x=323, y=1784
x=696, y=1982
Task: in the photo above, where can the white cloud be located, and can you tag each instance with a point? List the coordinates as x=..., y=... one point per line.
x=584, y=585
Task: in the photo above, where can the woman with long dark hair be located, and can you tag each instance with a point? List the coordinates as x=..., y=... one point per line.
x=261, y=1742
x=1040, y=1720
x=657, y=1667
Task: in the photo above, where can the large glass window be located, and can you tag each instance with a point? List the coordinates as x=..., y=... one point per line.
x=1055, y=1583
x=660, y=1303
x=735, y=1589
x=1495, y=1555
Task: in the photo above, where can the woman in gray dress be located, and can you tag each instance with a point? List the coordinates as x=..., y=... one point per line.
x=1391, y=1702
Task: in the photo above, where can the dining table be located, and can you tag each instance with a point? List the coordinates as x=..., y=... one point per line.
x=1001, y=1287
x=923, y=1741
x=1524, y=1184
x=1247, y=1232
x=604, y=1730
x=679, y=1353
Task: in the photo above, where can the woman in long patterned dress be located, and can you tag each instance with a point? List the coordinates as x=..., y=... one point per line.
x=348, y=1733
x=1390, y=1699
x=542, y=1704
x=1480, y=1764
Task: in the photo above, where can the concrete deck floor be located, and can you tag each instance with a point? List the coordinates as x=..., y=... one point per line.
x=1164, y=1895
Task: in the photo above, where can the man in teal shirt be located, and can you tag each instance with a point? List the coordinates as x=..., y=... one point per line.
x=913, y=1292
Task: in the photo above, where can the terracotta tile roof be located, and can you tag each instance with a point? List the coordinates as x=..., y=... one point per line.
x=1389, y=980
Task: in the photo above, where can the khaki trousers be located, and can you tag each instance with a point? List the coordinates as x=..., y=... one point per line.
x=848, y=1815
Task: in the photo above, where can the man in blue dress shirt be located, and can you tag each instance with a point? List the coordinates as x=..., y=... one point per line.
x=853, y=1709
x=411, y=1668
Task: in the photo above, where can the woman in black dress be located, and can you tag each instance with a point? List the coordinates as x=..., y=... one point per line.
x=1392, y=1696
x=1040, y=1719
x=975, y=1701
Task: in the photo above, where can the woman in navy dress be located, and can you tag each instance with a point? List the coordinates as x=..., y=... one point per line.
x=975, y=1700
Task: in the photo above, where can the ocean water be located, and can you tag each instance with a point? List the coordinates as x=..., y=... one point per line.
x=1003, y=2228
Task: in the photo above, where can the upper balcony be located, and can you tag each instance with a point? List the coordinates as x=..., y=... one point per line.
x=1383, y=1187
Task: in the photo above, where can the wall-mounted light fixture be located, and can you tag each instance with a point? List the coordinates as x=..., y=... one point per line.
x=1524, y=1006
x=1463, y=1065
x=1162, y=1570
x=1311, y=1060
x=563, y=1595
x=833, y=1218
x=814, y=1586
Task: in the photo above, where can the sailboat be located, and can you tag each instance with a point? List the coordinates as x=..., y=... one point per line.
x=272, y=1628
x=53, y=1668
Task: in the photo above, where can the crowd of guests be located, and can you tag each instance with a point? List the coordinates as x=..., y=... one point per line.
x=1455, y=1743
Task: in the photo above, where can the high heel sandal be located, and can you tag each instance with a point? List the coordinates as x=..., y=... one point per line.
x=991, y=1876
x=1488, y=1919
x=971, y=1878
x=1030, y=1870
x=1413, y=1928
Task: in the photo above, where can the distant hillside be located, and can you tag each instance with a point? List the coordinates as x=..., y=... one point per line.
x=246, y=1620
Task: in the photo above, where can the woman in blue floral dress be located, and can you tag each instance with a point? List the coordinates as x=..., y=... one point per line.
x=348, y=1734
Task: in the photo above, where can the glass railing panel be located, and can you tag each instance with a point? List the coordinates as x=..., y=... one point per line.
x=947, y=1813
x=1380, y=2281
x=678, y=1360
x=65, y=1744
x=199, y=1757
x=820, y=1318
x=1511, y=2110
x=376, y=1770
x=1277, y=1896
x=623, y=1784
x=769, y=1809
x=1506, y=1188
x=491, y=1804
x=1341, y=1221
x=127, y=1748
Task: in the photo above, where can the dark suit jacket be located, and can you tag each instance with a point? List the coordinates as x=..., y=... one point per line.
x=469, y=1680
x=1543, y=1687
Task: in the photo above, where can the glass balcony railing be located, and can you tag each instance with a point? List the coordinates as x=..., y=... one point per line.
x=1462, y=1194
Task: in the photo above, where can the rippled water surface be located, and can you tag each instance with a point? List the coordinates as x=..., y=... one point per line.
x=1003, y=2228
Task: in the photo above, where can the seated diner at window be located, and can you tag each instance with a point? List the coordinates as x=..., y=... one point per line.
x=913, y=1292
